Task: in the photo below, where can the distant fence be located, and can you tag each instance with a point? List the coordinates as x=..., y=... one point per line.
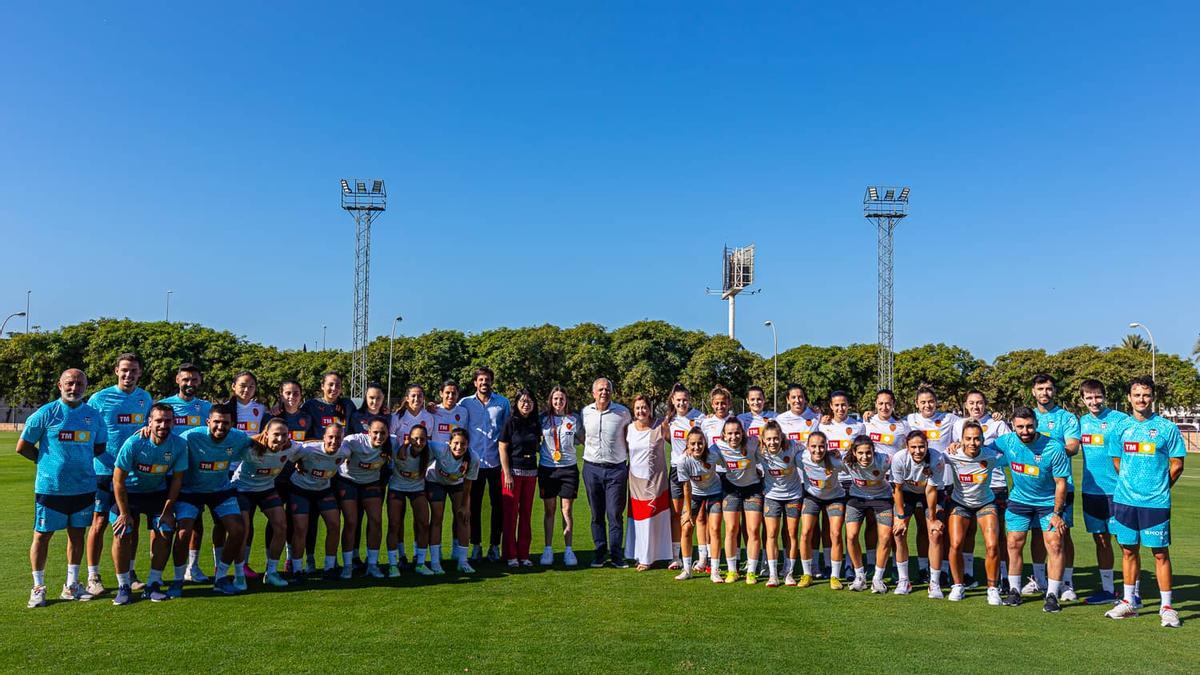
x=1192, y=439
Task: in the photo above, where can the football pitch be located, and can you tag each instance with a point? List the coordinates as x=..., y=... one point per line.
x=576, y=620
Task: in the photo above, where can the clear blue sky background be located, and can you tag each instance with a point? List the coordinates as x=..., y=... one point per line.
x=567, y=162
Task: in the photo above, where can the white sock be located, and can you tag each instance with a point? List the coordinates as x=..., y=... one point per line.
x=773, y=567
x=703, y=552
x=752, y=566
x=969, y=563
x=836, y=568
x=222, y=569
x=1039, y=574
x=193, y=558
x=568, y=549
x=1068, y=575
x=39, y=577
x=1106, y=580
x=155, y=576
x=347, y=559
x=330, y=562
x=1137, y=588
x=922, y=564
x=860, y=573
x=1014, y=582
x=1166, y=599
x=179, y=571
x=123, y=579
x=674, y=550
x=902, y=570
x=1129, y=592
x=272, y=565
x=435, y=553
x=789, y=566
x=218, y=552
x=72, y=574
x=732, y=563
x=94, y=570
x=935, y=578
x=393, y=556
x=297, y=564
x=806, y=566
x=687, y=564
x=879, y=573
x=1054, y=587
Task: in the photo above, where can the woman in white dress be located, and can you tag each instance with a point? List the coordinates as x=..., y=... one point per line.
x=648, y=539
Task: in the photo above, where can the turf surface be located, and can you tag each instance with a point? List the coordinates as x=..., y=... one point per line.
x=579, y=620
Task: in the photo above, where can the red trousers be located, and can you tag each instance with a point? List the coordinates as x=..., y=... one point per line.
x=517, y=504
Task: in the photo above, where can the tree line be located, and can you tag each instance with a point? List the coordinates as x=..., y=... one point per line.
x=646, y=357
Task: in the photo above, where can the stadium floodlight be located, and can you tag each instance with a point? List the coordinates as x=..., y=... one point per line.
x=345, y=186
x=364, y=207
x=886, y=214
x=737, y=274
x=376, y=187
x=903, y=195
x=890, y=195
x=873, y=193
x=360, y=187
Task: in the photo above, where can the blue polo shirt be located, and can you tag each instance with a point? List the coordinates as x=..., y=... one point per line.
x=147, y=464
x=1033, y=467
x=188, y=414
x=1099, y=436
x=123, y=414
x=66, y=439
x=484, y=422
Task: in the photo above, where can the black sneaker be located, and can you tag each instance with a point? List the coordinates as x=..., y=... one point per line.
x=332, y=574
x=299, y=577
x=599, y=561
x=1051, y=605
x=1012, y=598
x=969, y=582
x=1004, y=587
x=619, y=563
x=360, y=566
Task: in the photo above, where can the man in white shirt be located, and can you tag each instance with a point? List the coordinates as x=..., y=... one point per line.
x=606, y=472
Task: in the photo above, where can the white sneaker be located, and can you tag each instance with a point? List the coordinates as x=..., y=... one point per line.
x=1068, y=594
x=374, y=572
x=877, y=586
x=935, y=593
x=699, y=567
x=569, y=558
x=37, y=597
x=716, y=577
x=547, y=557
x=1170, y=618
x=1122, y=610
x=195, y=575
x=790, y=579
x=1032, y=588
x=993, y=596
x=957, y=591
x=859, y=584
x=75, y=591
x=684, y=575
x=95, y=586
x=903, y=587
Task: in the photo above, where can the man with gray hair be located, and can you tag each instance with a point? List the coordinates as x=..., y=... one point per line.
x=606, y=472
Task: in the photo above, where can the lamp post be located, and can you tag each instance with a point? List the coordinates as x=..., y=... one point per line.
x=775, y=389
x=27, y=294
x=168, y=318
x=4, y=324
x=1153, y=352
x=323, y=334
x=391, y=348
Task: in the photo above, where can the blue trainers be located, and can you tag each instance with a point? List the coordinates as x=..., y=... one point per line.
x=225, y=586
x=1101, y=598
x=154, y=593
x=124, y=596
x=175, y=590
x=1137, y=602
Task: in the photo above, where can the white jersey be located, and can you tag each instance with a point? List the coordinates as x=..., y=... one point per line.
x=819, y=481
x=913, y=477
x=680, y=426
x=446, y=469
x=713, y=427
x=887, y=435
x=363, y=462
x=992, y=429
x=401, y=422
x=446, y=421
x=938, y=430
x=407, y=473
x=781, y=472
x=753, y=422
x=840, y=435
x=702, y=475
x=256, y=473
x=558, y=440
x=250, y=417
x=871, y=481
x=315, y=469
x=972, y=485
x=798, y=427
x=739, y=466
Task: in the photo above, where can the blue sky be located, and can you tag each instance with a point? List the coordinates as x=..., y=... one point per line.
x=568, y=162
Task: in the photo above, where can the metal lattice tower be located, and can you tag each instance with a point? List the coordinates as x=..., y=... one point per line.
x=886, y=212
x=364, y=206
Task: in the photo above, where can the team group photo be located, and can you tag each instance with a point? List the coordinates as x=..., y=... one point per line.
x=599, y=338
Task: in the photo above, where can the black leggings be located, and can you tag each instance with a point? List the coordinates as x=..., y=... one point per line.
x=493, y=479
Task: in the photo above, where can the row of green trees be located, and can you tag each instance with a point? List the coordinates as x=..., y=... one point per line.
x=645, y=357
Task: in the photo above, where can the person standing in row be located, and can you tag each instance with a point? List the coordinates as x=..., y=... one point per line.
x=605, y=471
x=191, y=412
x=373, y=405
x=519, y=442
x=249, y=417
x=558, y=473
x=682, y=419
x=487, y=412
x=410, y=415
x=648, y=538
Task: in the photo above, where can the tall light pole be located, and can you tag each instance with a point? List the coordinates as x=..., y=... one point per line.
x=885, y=211
x=168, y=319
x=27, y=294
x=775, y=390
x=1153, y=352
x=323, y=334
x=365, y=205
x=391, y=348
x=5, y=322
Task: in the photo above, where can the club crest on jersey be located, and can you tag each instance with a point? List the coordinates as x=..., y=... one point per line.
x=849, y=430
x=1104, y=426
x=808, y=423
x=457, y=417
x=891, y=427
x=255, y=411
x=303, y=422
x=1153, y=433
x=1050, y=424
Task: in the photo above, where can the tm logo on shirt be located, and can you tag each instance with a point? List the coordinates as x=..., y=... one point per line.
x=1140, y=448
x=75, y=436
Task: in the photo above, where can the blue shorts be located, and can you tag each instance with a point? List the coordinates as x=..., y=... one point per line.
x=1020, y=517
x=52, y=513
x=222, y=504
x=436, y=492
x=303, y=502
x=149, y=504
x=104, y=494
x=1097, y=512
x=263, y=500
x=1135, y=525
x=352, y=491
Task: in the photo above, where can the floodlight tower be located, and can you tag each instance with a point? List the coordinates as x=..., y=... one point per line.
x=737, y=273
x=886, y=212
x=365, y=206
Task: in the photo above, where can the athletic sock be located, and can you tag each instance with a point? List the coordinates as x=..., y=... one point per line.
x=1039, y=574
x=72, y=574
x=132, y=565
x=1068, y=575
x=1128, y=591
x=902, y=570
x=789, y=566
x=836, y=567
x=239, y=570
x=860, y=573
x=733, y=563
x=703, y=552
x=347, y=559
x=752, y=566
x=94, y=570
x=969, y=563
x=675, y=549
x=155, y=576
x=1166, y=599
x=272, y=565
x=39, y=577
x=179, y=571
x=218, y=555
x=1014, y=582
x=193, y=558
x=373, y=556
x=1054, y=587
x=419, y=554
x=393, y=556
x=222, y=570
x=806, y=566
x=935, y=578
x=1106, y=581
x=399, y=547
x=1137, y=587
x=922, y=564
x=330, y=562
x=435, y=553
x=123, y=579
x=879, y=573
x=297, y=565
x=773, y=567
x=687, y=564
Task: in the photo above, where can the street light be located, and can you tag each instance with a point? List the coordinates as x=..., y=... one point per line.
x=10, y=316
x=27, y=294
x=775, y=390
x=168, y=319
x=1153, y=357
x=323, y=327
x=391, y=348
